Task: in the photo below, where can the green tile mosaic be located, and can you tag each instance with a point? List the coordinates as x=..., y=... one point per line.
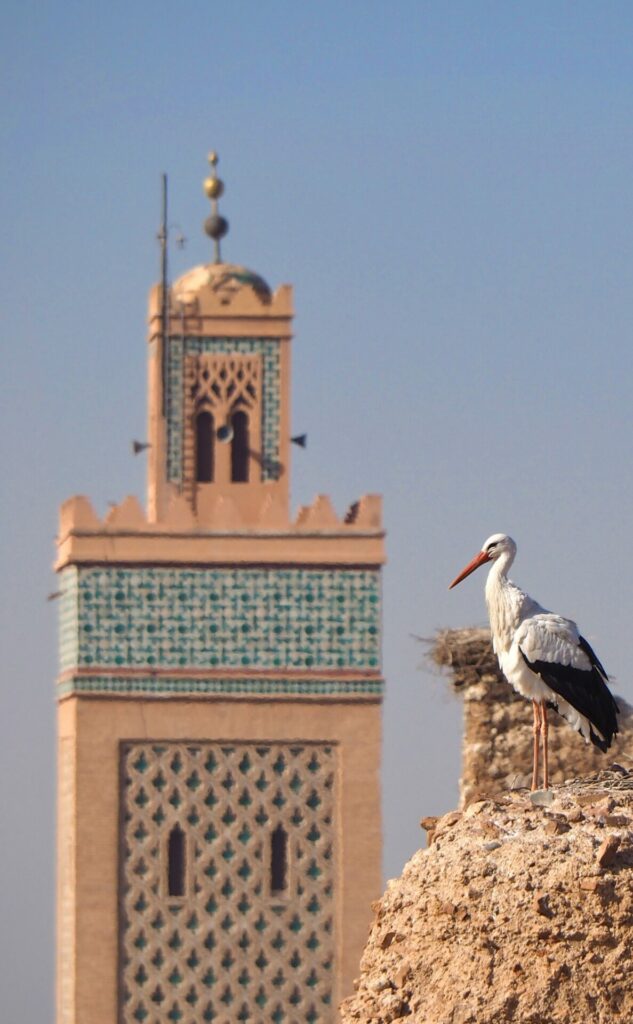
x=237, y=618
x=69, y=618
x=162, y=685
x=179, y=348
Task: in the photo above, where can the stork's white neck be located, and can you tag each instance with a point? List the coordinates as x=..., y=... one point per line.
x=501, y=565
x=505, y=602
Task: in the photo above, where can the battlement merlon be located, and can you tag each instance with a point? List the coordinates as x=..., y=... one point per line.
x=317, y=536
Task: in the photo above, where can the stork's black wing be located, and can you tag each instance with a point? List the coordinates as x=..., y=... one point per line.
x=553, y=649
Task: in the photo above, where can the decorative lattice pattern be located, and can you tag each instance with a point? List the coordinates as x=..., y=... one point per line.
x=229, y=949
x=179, y=349
x=237, y=618
x=221, y=382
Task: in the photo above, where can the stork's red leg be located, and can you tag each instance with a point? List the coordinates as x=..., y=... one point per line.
x=536, y=733
x=544, y=732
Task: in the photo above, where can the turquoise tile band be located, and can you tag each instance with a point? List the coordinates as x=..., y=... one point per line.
x=287, y=619
x=165, y=685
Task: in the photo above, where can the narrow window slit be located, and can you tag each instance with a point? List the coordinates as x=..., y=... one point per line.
x=278, y=861
x=239, y=447
x=204, y=447
x=176, y=862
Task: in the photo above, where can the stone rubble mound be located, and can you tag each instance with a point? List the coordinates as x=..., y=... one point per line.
x=520, y=910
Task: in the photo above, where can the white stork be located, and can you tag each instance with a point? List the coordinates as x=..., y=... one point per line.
x=543, y=656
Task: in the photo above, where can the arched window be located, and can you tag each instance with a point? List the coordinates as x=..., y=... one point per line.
x=204, y=447
x=239, y=447
x=176, y=862
x=278, y=861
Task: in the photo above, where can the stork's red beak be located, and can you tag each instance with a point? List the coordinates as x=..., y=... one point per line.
x=478, y=560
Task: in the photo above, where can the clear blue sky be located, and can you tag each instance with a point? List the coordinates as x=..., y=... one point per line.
x=449, y=188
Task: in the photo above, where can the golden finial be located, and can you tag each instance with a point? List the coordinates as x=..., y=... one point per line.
x=215, y=226
x=213, y=186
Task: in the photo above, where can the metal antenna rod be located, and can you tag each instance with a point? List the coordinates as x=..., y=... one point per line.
x=162, y=237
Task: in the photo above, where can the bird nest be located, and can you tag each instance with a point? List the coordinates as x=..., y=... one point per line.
x=467, y=653
x=616, y=778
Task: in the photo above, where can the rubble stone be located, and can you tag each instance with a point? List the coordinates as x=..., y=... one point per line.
x=540, y=930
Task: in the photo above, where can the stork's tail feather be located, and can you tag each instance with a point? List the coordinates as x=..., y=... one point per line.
x=603, y=737
x=597, y=741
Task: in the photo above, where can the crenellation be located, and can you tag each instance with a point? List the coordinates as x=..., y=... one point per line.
x=301, y=516
x=127, y=515
x=368, y=513
x=220, y=513
x=77, y=513
x=272, y=514
x=320, y=515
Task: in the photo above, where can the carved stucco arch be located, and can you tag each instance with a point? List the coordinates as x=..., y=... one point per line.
x=221, y=384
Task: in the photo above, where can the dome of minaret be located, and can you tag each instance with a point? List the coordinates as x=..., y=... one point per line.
x=225, y=279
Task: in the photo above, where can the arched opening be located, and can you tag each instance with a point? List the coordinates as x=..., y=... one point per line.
x=278, y=861
x=239, y=447
x=176, y=862
x=204, y=447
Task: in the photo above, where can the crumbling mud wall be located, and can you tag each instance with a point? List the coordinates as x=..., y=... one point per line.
x=497, y=740
x=519, y=912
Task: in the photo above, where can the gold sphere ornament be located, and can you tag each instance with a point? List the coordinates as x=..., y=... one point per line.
x=213, y=187
x=213, y=158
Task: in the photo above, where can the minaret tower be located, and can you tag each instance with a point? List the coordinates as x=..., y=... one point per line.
x=219, y=696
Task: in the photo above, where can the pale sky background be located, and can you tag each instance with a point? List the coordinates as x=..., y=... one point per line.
x=448, y=186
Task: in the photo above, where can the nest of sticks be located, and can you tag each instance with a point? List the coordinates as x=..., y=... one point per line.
x=467, y=653
x=615, y=778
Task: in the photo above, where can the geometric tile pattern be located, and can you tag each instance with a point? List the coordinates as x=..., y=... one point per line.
x=69, y=618
x=164, y=685
x=178, y=349
x=229, y=948
x=221, y=618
